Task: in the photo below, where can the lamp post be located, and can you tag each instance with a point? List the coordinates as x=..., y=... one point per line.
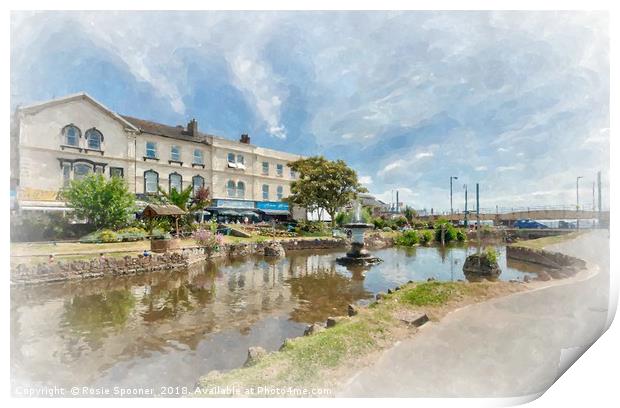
x=451, y=208
x=465, y=219
x=579, y=177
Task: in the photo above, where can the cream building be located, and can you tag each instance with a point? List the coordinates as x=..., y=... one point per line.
x=64, y=139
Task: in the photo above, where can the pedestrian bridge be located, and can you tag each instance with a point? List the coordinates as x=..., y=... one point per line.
x=534, y=214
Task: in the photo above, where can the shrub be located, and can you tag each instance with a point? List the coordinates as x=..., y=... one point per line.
x=387, y=229
x=461, y=235
x=419, y=225
x=159, y=233
x=311, y=227
x=407, y=238
x=131, y=234
x=109, y=236
x=491, y=255
x=207, y=239
x=380, y=223
x=449, y=234
x=426, y=237
x=400, y=221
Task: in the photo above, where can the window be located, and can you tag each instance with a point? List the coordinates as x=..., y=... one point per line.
x=151, y=150
x=198, y=158
x=279, y=170
x=265, y=168
x=116, y=172
x=151, y=182
x=66, y=174
x=240, y=189
x=81, y=170
x=99, y=169
x=293, y=174
x=175, y=153
x=93, y=139
x=175, y=181
x=230, y=188
x=198, y=182
x=231, y=160
x=265, y=192
x=280, y=192
x=71, y=135
x=240, y=162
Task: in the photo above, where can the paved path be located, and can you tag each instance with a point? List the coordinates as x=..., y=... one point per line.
x=514, y=346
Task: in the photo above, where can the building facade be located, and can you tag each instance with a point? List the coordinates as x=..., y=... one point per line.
x=67, y=138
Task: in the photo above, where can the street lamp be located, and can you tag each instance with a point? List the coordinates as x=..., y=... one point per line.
x=465, y=216
x=580, y=177
x=452, y=178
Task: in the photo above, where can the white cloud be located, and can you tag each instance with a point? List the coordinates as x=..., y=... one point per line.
x=480, y=168
x=365, y=180
x=423, y=155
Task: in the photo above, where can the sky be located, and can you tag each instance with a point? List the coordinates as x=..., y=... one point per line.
x=515, y=101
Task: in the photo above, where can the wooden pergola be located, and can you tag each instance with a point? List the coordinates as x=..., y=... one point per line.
x=164, y=210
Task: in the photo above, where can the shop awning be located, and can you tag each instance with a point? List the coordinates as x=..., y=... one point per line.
x=275, y=212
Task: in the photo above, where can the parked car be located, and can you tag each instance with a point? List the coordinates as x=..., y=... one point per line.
x=567, y=225
x=529, y=224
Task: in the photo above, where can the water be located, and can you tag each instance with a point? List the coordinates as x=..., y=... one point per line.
x=167, y=329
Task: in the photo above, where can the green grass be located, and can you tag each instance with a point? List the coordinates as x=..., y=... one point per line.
x=319, y=360
x=541, y=243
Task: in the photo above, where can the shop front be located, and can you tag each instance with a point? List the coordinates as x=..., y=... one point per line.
x=273, y=210
x=233, y=211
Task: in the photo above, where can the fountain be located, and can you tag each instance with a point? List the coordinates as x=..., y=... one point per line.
x=358, y=255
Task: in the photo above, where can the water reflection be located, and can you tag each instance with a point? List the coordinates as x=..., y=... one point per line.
x=182, y=324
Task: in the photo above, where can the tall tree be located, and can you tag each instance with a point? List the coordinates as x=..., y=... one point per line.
x=323, y=184
x=104, y=203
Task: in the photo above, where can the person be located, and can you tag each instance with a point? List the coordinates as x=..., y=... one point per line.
x=145, y=253
x=50, y=259
x=246, y=220
x=101, y=259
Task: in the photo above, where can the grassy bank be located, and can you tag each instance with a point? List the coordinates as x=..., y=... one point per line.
x=541, y=243
x=329, y=357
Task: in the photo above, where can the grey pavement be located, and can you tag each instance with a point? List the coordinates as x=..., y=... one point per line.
x=514, y=346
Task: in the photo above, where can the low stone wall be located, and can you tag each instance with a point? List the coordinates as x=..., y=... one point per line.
x=96, y=268
x=560, y=265
x=130, y=265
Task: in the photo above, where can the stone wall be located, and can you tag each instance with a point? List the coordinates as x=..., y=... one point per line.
x=130, y=265
x=549, y=259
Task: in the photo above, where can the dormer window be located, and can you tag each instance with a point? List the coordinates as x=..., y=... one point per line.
x=71, y=135
x=93, y=139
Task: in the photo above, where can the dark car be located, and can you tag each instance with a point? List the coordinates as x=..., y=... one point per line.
x=531, y=224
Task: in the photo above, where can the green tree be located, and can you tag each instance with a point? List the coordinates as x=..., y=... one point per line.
x=184, y=200
x=104, y=203
x=325, y=184
x=410, y=214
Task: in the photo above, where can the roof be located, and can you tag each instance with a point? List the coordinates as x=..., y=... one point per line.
x=154, y=210
x=159, y=129
x=74, y=97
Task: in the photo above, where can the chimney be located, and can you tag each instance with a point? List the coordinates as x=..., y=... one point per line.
x=245, y=139
x=192, y=128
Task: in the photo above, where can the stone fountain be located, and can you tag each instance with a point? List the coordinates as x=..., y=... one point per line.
x=358, y=255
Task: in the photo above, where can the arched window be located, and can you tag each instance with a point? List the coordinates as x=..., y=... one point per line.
x=71, y=135
x=240, y=189
x=280, y=192
x=151, y=182
x=198, y=182
x=175, y=181
x=93, y=139
x=230, y=188
x=81, y=170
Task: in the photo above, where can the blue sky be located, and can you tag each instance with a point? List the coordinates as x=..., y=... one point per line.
x=517, y=101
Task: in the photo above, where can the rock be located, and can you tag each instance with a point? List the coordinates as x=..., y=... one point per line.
x=481, y=265
x=380, y=296
x=415, y=319
x=431, y=279
x=313, y=328
x=352, y=310
x=332, y=321
x=526, y=279
x=274, y=249
x=254, y=356
x=285, y=343
x=390, y=291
